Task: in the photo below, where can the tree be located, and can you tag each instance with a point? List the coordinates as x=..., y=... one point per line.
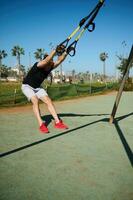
x=103, y=57
x=12, y=73
x=122, y=65
x=3, y=54
x=18, y=51
x=4, y=71
x=39, y=54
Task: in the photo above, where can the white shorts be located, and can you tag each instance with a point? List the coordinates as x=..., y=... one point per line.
x=30, y=91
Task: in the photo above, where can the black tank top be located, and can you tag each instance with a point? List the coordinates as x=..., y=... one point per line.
x=36, y=76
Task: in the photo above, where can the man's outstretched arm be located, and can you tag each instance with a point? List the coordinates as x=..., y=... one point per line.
x=60, y=59
x=44, y=62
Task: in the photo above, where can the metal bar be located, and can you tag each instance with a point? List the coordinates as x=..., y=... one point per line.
x=128, y=65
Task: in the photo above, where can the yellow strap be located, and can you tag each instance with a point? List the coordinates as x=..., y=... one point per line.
x=80, y=34
x=74, y=32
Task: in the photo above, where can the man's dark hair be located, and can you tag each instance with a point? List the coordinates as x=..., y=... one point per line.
x=45, y=55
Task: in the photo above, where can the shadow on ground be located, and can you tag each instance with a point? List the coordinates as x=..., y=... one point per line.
x=48, y=119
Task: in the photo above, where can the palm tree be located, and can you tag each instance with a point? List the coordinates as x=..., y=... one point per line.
x=122, y=65
x=18, y=51
x=39, y=54
x=3, y=54
x=103, y=57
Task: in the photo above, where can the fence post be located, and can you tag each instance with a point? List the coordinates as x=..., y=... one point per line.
x=15, y=96
x=90, y=82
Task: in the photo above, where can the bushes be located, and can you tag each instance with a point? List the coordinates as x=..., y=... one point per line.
x=11, y=94
x=59, y=92
x=128, y=87
x=73, y=90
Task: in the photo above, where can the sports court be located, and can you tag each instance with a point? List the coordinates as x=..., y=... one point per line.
x=92, y=160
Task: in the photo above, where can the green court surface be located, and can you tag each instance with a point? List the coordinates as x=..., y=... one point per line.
x=92, y=160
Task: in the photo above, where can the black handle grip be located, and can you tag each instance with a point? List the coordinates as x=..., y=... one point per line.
x=71, y=50
x=91, y=27
x=60, y=49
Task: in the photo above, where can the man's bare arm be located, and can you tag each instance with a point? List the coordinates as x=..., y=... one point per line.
x=60, y=59
x=44, y=62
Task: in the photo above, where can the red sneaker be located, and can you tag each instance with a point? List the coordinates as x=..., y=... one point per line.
x=43, y=128
x=60, y=125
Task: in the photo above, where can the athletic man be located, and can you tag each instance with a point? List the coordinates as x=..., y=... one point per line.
x=33, y=91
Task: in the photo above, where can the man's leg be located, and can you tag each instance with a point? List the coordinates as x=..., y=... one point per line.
x=58, y=123
x=51, y=107
x=30, y=94
x=35, y=102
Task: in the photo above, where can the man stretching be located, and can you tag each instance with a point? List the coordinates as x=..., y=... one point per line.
x=33, y=91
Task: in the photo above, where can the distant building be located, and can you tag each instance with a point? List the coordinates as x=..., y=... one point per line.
x=15, y=69
x=12, y=79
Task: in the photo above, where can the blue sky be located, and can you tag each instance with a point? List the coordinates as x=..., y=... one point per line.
x=35, y=24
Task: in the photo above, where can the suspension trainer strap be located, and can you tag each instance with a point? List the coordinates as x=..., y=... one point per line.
x=90, y=26
x=71, y=50
x=81, y=23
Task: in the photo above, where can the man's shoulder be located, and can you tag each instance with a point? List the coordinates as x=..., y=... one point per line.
x=34, y=66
